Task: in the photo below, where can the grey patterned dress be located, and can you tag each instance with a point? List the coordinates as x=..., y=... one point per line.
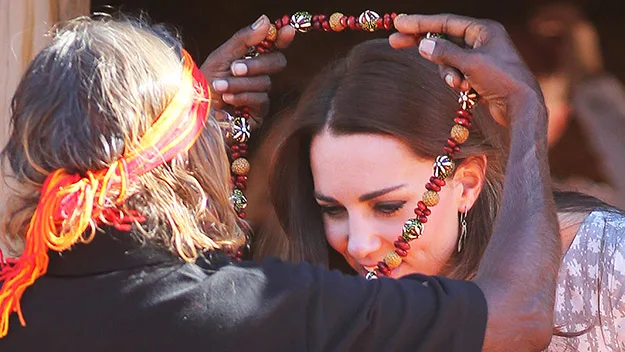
x=591, y=287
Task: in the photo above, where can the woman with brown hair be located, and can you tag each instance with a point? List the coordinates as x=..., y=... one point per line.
x=126, y=183
x=352, y=170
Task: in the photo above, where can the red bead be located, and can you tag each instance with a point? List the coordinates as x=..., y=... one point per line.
x=243, y=146
x=402, y=245
x=268, y=45
x=278, y=23
x=326, y=26
x=234, y=148
x=422, y=219
x=351, y=22
x=322, y=18
x=243, y=152
x=315, y=18
x=418, y=212
x=427, y=212
x=285, y=20
x=261, y=50
x=432, y=187
x=384, y=269
x=401, y=252
x=465, y=114
x=317, y=26
x=393, y=15
x=451, y=142
x=457, y=149
x=241, y=178
x=379, y=24
x=421, y=205
x=388, y=23
x=437, y=181
x=240, y=185
x=448, y=150
x=462, y=121
x=343, y=21
x=235, y=155
x=242, y=215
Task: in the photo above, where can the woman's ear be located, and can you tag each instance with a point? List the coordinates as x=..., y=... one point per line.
x=469, y=178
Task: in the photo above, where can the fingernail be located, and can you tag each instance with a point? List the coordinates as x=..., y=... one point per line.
x=450, y=80
x=258, y=22
x=426, y=47
x=239, y=69
x=220, y=85
x=227, y=97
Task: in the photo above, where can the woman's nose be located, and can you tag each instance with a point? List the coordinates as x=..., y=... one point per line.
x=363, y=243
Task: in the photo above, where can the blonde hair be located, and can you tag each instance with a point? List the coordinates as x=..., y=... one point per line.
x=90, y=96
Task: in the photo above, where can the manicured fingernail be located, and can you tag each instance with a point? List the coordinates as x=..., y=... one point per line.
x=220, y=85
x=426, y=47
x=259, y=22
x=227, y=97
x=450, y=80
x=239, y=69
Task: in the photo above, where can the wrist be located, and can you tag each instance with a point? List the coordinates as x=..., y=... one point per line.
x=527, y=107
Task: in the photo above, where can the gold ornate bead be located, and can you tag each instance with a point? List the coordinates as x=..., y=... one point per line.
x=240, y=166
x=272, y=34
x=302, y=21
x=335, y=22
x=412, y=230
x=392, y=259
x=238, y=200
x=444, y=166
x=431, y=198
x=459, y=133
x=368, y=20
x=468, y=99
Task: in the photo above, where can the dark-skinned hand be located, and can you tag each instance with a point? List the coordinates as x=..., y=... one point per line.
x=486, y=60
x=236, y=81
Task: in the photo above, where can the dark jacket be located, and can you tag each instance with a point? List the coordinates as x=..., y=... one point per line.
x=117, y=295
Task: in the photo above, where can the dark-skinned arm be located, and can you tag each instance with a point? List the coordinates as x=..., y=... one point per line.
x=519, y=269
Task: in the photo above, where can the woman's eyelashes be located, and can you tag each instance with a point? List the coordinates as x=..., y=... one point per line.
x=388, y=208
x=332, y=210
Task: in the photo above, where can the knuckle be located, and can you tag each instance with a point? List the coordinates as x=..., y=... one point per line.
x=493, y=26
x=281, y=60
x=239, y=36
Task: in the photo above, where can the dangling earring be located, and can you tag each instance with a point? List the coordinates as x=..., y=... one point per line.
x=463, y=229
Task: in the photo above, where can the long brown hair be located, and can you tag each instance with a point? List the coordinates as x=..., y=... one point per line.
x=89, y=96
x=380, y=90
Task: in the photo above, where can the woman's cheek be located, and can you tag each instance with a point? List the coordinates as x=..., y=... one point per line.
x=335, y=234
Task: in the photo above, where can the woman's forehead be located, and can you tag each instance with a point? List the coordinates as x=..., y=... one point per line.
x=363, y=162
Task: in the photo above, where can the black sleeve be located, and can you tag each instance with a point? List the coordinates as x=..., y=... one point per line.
x=301, y=307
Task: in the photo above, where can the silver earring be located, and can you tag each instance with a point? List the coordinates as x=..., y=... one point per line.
x=463, y=229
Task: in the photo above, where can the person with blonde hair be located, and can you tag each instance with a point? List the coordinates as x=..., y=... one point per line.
x=125, y=184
